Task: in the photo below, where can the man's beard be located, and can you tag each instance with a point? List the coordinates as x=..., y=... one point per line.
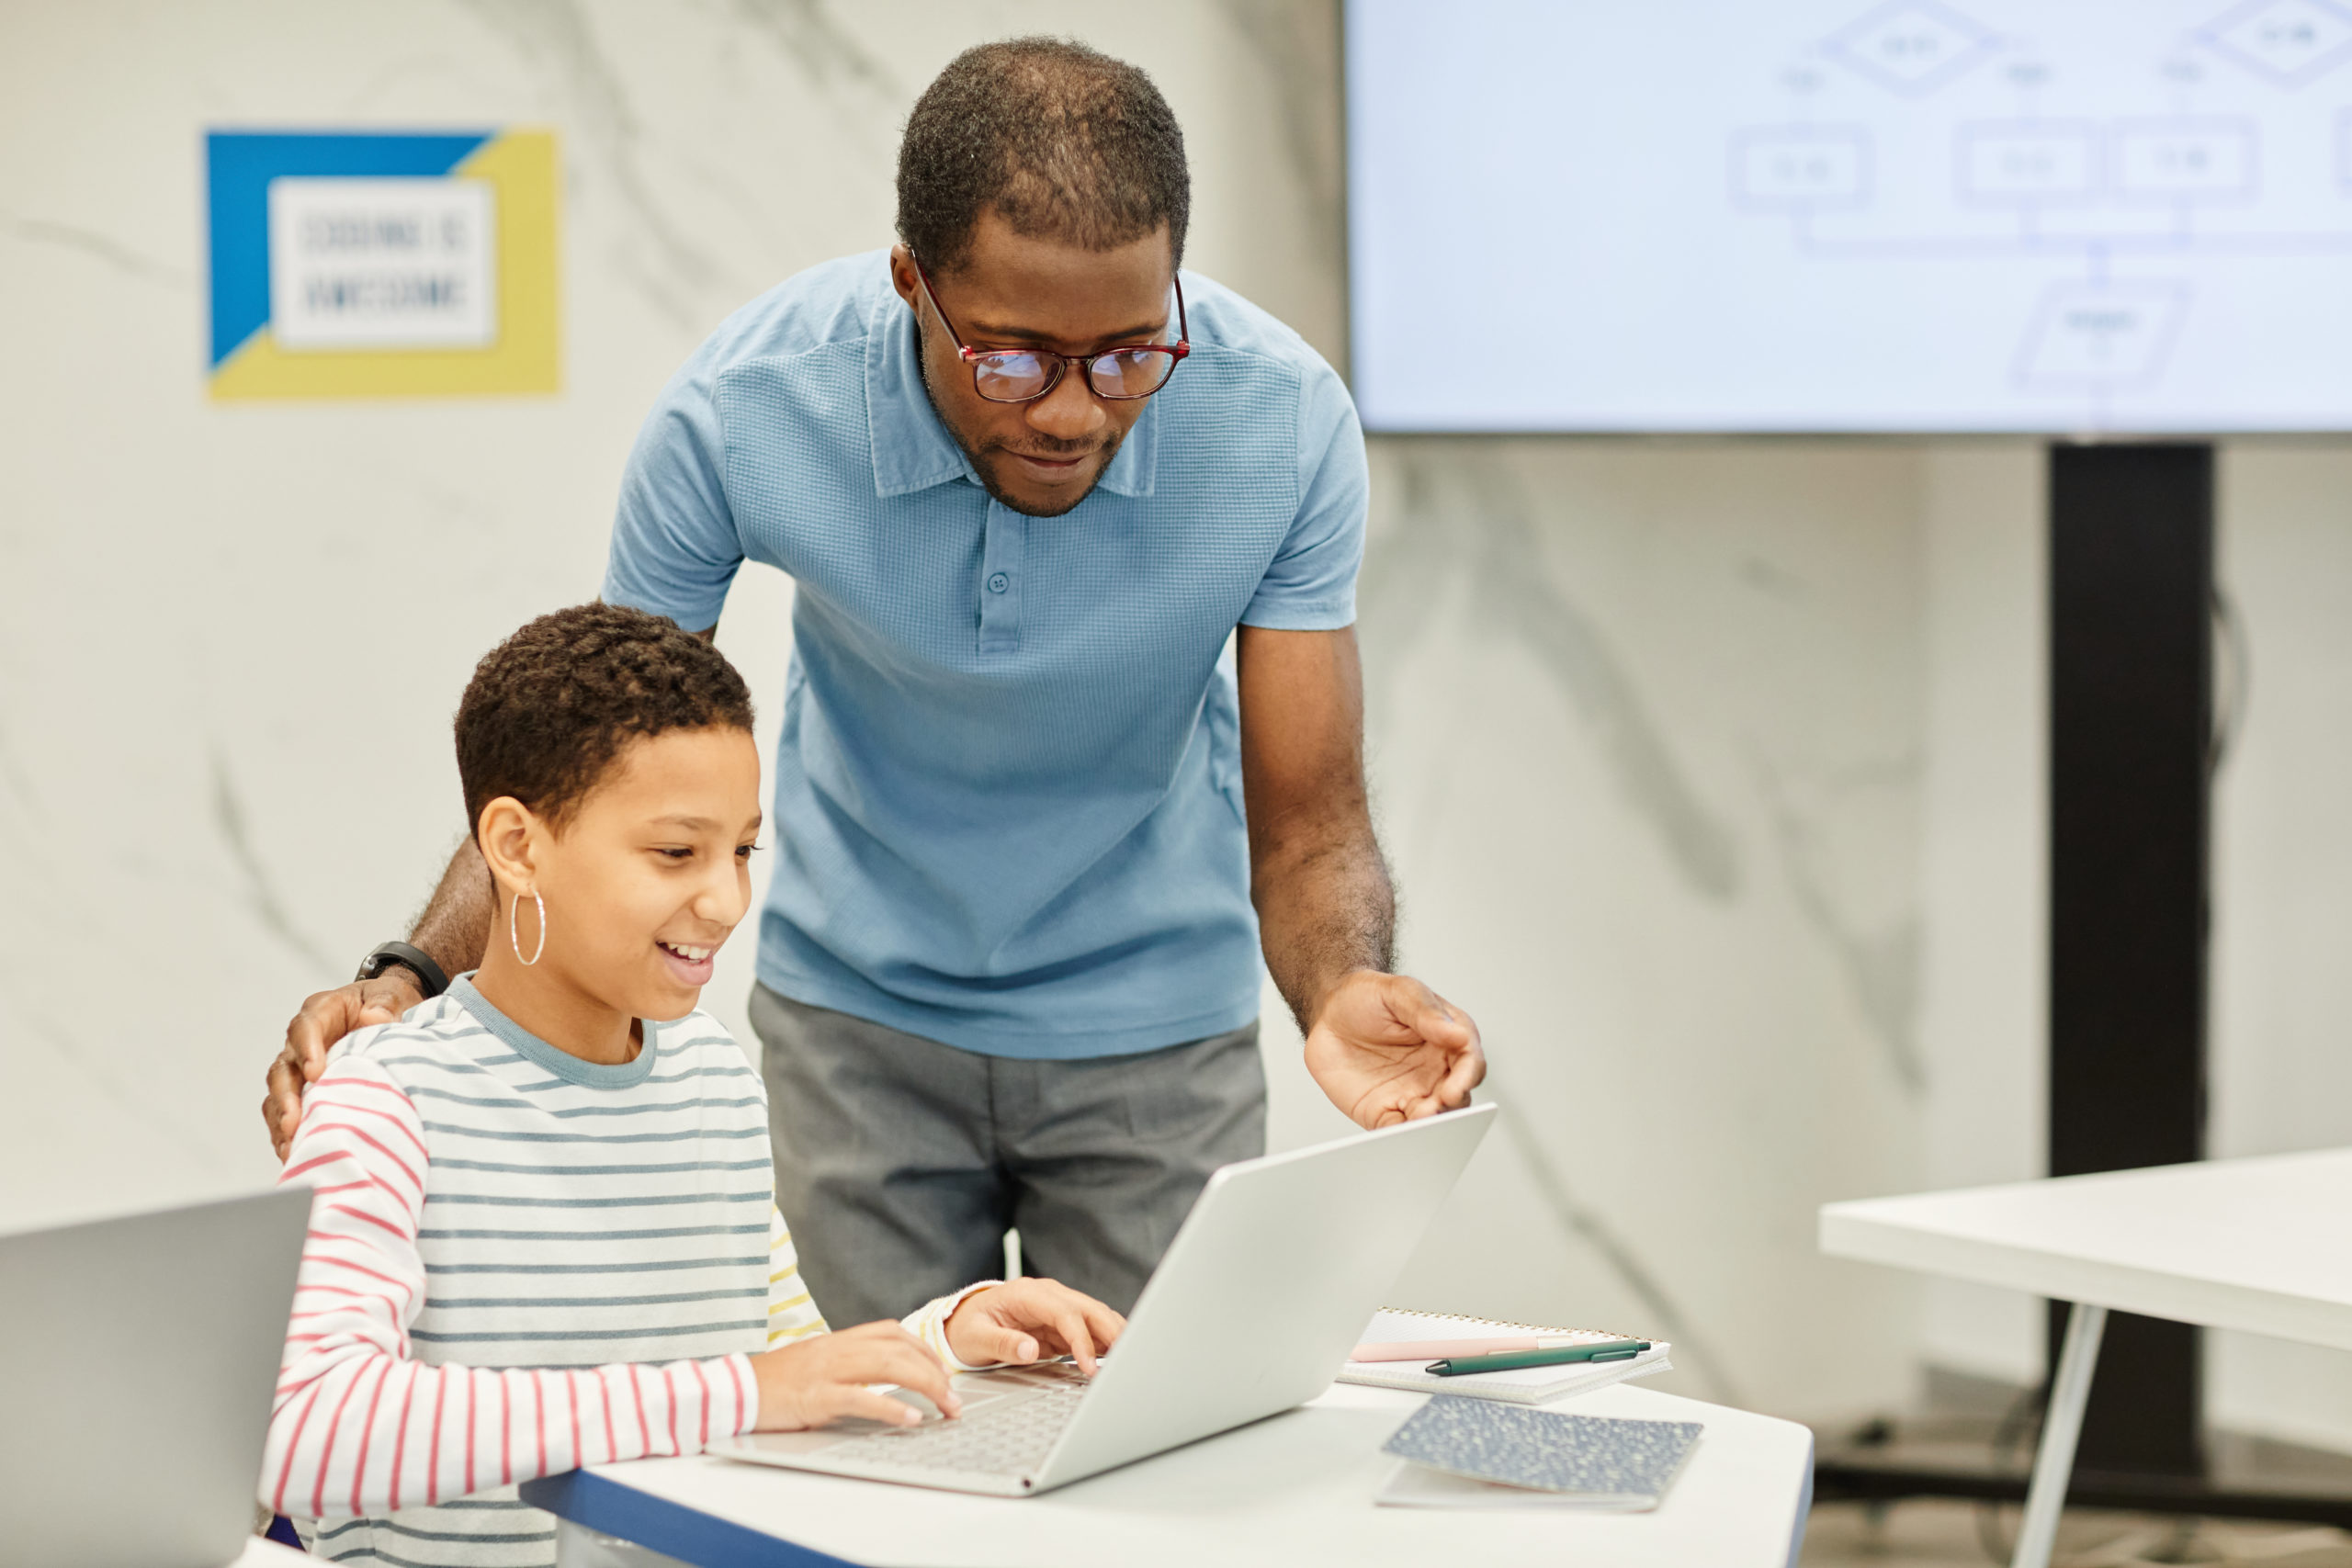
x=1109, y=449
x=980, y=458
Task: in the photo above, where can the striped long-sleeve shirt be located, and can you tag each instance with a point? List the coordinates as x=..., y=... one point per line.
x=520, y=1262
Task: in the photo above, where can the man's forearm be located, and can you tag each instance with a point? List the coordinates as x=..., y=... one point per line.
x=1326, y=907
x=453, y=931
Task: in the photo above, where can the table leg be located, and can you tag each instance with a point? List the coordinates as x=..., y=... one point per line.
x=2061, y=1425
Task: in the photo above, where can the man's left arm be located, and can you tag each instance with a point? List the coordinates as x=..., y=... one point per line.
x=1383, y=1045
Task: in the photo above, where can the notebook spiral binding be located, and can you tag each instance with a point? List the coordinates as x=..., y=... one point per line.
x=1489, y=1322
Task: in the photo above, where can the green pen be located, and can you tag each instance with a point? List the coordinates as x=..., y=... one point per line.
x=1565, y=1355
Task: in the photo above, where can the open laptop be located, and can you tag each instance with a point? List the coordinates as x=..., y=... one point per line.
x=161, y=1331
x=1262, y=1294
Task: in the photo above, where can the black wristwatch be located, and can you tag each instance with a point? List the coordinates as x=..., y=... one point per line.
x=413, y=959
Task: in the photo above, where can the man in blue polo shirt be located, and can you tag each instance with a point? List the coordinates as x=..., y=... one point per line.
x=1035, y=828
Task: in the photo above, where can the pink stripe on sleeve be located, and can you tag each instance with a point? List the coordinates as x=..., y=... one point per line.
x=473, y=1403
x=745, y=1413
x=390, y=1092
x=367, y=1435
x=505, y=1433
x=605, y=1399
x=406, y=1169
x=326, y=1449
x=304, y=1167
x=636, y=1397
x=704, y=1384
x=539, y=1419
x=293, y=1447
x=572, y=1397
x=400, y=1433
x=363, y=1215
x=406, y=1126
x=433, y=1444
x=312, y=1257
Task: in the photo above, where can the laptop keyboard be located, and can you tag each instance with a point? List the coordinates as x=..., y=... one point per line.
x=1005, y=1436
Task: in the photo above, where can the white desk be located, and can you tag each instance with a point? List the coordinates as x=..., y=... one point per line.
x=260, y=1553
x=1288, y=1492
x=2252, y=1243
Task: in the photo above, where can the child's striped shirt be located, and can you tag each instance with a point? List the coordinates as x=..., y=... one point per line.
x=520, y=1262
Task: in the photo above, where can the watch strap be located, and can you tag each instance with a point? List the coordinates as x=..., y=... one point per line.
x=431, y=976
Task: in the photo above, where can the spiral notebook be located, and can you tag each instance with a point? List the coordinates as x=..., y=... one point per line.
x=1528, y=1385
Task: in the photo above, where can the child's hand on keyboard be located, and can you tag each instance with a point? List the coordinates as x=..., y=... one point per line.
x=824, y=1377
x=1024, y=1320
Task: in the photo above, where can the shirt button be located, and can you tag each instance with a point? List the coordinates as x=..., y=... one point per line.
x=998, y=583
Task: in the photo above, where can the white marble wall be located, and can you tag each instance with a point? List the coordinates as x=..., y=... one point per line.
x=1983, y=1003
x=1710, y=770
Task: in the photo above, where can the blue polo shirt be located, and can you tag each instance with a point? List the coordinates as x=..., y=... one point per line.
x=1008, y=796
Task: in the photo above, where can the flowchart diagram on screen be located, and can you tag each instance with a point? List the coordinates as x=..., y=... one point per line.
x=2247, y=159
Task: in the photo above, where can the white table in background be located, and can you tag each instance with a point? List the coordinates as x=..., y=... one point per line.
x=2258, y=1245
x=1285, y=1492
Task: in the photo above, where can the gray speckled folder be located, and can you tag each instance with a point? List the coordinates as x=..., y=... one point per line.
x=1598, y=1456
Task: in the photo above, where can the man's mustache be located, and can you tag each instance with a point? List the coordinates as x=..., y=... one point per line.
x=1057, y=450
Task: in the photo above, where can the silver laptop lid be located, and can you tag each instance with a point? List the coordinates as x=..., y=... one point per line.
x=139, y=1355
x=1274, y=1273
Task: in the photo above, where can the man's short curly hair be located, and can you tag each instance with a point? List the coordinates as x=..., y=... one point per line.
x=1062, y=140
x=550, y=709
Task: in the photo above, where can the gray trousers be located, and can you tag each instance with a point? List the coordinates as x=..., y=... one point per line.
x=900, y=1162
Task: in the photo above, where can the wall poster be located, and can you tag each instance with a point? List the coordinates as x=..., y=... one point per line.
x=370, y=263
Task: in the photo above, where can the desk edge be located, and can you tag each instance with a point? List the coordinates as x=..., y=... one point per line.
x=2066, y=1277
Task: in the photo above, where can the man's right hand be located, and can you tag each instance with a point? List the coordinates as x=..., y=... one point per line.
x=824, y=1377
x=325, y=1018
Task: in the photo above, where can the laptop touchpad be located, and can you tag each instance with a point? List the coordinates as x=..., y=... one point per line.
x=978, y=1390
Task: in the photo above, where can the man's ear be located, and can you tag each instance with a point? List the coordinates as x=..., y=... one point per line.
x=903, y=278
x=505, y=831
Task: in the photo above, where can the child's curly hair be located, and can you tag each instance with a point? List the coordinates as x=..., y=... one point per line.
x=548, y=709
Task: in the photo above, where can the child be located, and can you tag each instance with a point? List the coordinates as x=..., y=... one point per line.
x=544, y=1235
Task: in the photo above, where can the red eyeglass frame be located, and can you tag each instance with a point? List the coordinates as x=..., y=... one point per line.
x=1176, y=353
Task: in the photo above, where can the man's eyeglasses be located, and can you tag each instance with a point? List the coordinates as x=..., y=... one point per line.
x=1024, y=375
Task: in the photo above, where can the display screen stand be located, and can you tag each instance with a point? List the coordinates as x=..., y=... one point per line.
x=2131, y=740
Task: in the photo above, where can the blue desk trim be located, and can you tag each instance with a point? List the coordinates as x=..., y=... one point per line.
x=672, y=1529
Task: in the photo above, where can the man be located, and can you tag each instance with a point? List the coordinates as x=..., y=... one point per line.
x=1031, y=838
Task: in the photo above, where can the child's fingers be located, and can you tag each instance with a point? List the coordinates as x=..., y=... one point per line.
x=883, y=1352
x=992, y=1341
x=849, y=1399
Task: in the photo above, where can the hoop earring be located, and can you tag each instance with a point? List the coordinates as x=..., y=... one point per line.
x=514, y=938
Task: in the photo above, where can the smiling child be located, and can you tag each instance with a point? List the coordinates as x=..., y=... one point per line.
x=544, y=1234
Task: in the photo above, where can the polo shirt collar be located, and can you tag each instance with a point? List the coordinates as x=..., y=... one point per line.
x=912, y=450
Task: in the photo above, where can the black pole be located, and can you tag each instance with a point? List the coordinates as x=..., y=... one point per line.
x=2130, y=727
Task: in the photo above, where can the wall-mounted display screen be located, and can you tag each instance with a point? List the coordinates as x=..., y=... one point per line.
x=2042, y=216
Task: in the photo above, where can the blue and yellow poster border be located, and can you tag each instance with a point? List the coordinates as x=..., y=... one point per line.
x=520, y=168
